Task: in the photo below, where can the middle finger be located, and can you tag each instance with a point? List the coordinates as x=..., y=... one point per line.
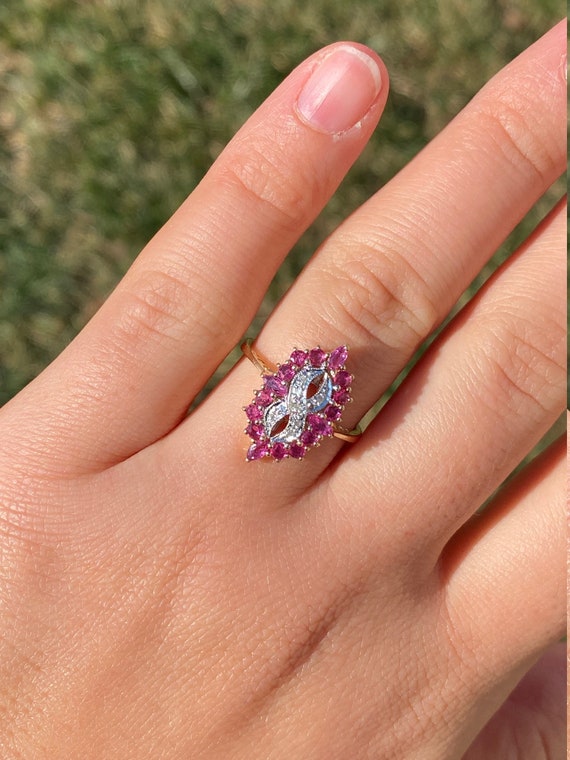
x=392, y=271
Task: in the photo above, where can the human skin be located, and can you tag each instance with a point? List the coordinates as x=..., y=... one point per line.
x=162, y=598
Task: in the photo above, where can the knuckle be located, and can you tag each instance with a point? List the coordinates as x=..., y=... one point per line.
x=283, y=195
x=515, y=133
x=161, y=305
x=526, y=363
x=381, y=297
x=157, y=306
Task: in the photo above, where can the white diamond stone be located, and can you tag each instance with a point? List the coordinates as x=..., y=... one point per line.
x=297, y=405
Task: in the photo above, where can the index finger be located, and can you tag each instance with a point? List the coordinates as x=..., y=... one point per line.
x=130, y=376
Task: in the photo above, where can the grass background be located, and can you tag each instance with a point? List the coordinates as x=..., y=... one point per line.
x=111, y=111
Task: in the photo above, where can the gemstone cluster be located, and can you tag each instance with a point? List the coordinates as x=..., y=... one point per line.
x=299, y=404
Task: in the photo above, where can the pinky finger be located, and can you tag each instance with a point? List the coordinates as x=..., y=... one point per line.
x=533, y=718
x=504, y=582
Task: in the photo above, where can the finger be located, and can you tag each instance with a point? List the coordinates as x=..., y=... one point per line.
x=394, y=269
x=487, y=390
x=131, y=374
x=506, y=567
x=390, y=274
x=533, y=717
x=505, y=577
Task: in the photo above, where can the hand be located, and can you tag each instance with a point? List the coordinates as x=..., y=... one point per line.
x=162, y=598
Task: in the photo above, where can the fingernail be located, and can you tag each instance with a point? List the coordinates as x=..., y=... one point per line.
x=340, y=91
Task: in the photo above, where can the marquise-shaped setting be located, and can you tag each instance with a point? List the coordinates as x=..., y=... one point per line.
x=298, y=405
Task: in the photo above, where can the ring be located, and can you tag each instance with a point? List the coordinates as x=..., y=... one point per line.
x=300, y=403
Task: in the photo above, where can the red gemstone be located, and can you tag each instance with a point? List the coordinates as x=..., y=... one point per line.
x=338, y=357
x=257, y=451
x=275, y=385
x=299, y=357
x=253, y=412
x=309, y=438
x=286, y=372
x=297, y=451
x=333, y=413
x=341, y=397
x=264, y=397
x=278, y=451
x=343, y=379
x=317, y=357
x=319, y=425
x=255, y=431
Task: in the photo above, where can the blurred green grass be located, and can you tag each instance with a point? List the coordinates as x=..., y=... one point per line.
x=112, y=111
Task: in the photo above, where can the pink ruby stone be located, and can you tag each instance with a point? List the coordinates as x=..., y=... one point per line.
x=341, y=397
x=297, y=451
x=278, y=451
x=286, y=372
x=338, y=357
x=317, y=357
x=257, y=451
x=255, y=431
x=333, y=413
x=309, y=438
x=298, y=357
x=275, y=385
x=319, y=425
x=264, y=397
x=253, y=412
x=343, y=379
